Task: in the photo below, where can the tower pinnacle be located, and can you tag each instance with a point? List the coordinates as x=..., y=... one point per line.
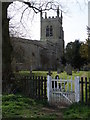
x=61, y=17
x=58, y=11
x=45, y=15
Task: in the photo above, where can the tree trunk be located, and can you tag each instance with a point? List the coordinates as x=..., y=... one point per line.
x=6, y=48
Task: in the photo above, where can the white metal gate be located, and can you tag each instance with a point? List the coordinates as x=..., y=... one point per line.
x=64, y=91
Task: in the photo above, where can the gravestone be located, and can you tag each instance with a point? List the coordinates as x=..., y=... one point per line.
x=68, y=69
x=30, y=70
x=60, y=69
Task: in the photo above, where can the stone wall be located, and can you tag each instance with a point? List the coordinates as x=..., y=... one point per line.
x=35, y=55
x=30, y=55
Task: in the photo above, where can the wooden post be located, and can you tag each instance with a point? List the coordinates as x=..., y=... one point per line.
x=49, y=78
x=45, y=96
x=42, y=87
x=29, y=86
x=33, y=87
x=77, y=89
x=89, y=89
x=86, y=89
x=39, y=87
x=36, y=86
x=82, y=89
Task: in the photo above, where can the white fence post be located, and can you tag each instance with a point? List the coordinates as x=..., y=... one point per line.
x=49, y=78
x=71, y=84
x=77, y=89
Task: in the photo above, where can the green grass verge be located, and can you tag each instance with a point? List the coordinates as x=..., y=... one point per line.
x=77, y=111
x=18, y=106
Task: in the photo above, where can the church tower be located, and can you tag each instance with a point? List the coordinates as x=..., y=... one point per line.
x=52, y=37
x=51, y=28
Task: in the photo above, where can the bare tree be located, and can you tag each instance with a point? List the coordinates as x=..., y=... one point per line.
x=26, y=11
x=6, y=45
x=36, y=7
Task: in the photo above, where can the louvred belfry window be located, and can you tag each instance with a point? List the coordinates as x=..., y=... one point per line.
x=47, y=31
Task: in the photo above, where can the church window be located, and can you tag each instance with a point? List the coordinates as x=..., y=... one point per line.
x=47, y=31
x=51, y=31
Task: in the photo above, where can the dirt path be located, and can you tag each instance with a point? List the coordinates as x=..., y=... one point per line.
x=58, y=113
x=56, y=110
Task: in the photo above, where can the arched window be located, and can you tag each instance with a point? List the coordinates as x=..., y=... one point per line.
x=51, y=31
x=47, y=31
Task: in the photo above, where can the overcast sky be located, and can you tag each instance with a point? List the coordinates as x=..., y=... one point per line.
x=74, y=21
x=75, y=25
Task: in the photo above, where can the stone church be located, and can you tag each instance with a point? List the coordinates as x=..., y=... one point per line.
x=43, y=54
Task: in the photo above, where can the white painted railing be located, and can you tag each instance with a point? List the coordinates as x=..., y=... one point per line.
x=58, y=89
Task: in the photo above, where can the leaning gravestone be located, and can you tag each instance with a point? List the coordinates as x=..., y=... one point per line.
x=68, y=69
x=30, y=70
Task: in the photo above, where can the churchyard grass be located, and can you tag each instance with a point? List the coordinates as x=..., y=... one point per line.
x=54, y=73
